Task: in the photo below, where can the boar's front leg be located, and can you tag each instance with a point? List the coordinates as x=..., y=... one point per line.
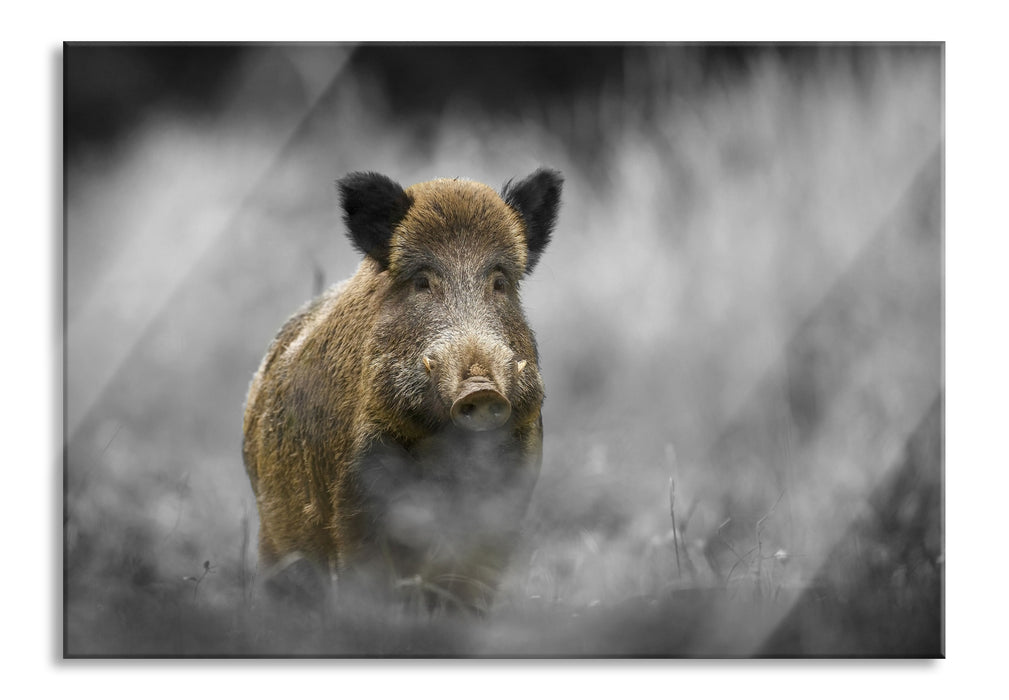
x=425, y=527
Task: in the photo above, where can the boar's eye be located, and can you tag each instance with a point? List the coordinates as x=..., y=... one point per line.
x=500, y=283
x=421, y=283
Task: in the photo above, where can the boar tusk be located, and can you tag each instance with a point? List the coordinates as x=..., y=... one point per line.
x=521, y=366
x=428, y=364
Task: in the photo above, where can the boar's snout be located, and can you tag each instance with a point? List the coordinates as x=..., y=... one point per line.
x=480, y=406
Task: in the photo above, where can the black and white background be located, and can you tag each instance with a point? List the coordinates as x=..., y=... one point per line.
x=744, y=296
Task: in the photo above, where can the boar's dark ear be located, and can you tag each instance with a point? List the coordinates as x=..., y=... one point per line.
x=372, y=205
x=537, y=198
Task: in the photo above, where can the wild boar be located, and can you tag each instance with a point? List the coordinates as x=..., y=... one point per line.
x=393, y=432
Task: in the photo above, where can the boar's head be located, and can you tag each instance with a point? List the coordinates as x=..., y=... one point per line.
x=451, y=345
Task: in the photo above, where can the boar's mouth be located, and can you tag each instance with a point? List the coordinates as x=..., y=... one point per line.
x=480, y=406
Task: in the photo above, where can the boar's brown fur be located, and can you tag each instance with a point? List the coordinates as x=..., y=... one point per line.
x=353, y=440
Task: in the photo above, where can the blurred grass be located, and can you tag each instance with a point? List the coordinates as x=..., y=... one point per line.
x=744, y=294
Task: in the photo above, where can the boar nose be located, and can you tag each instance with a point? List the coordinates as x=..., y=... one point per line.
x=480, y=406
